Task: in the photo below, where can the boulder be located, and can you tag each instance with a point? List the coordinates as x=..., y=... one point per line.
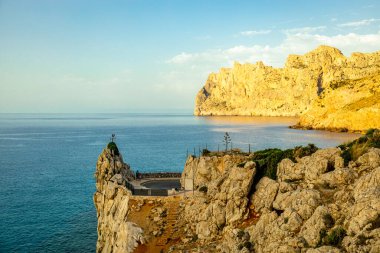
x=266, y=191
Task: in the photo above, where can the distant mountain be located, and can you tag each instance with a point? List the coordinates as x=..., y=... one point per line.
x=325, y=88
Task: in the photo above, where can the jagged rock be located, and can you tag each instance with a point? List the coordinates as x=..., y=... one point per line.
x=327, y=89
x=309, y=168
x=310, y=199
x=225, y=198
x=324, y=249
x=338, y=177
x=287, y=171
x=369, y=160
x=111, y=199
x=313, y=226
x=266, y=191
x=365, y=213
x=302, y=201
x=367, y=241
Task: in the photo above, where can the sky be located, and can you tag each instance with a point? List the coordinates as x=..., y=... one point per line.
x=74, y=56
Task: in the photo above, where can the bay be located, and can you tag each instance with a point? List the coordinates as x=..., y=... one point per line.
x=47, y=162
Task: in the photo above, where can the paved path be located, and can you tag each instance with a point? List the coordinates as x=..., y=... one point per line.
x=162, y=183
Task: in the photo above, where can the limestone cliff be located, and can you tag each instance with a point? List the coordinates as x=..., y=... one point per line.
x=316, y=203
x=115, y=232
x=349, y=104
x=325, y=200
x=256, y=89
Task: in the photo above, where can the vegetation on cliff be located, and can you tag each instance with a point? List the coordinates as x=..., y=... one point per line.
x=353, y=150
x=113, y=147
x=268, y=159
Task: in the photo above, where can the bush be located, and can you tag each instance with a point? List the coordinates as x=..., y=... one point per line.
x=353, y=150
x=203, y=189
x=113, y=147
x=240, y=234
x=300, y=151
x=267, y=160
x=370, y=132
x=328, y=220
x=205, y=152
x=335, y=237
x=247, y=245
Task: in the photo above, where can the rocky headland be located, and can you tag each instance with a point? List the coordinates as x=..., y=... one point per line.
x=323, y=87
x=297, y=200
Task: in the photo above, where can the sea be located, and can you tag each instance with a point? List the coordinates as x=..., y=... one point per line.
x=47, y=164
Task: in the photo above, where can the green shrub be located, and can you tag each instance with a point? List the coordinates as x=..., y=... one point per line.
x=346, y=155
x=267, y=161
x=322, y=235
x=247, y=245
x=241, y=165
x=353, y=150
x=113, y=147
x=335, y=237
x=205, y=152
x=370, y=132
x=203, y=189
x=301, y=151
x=240, y=234
x=328, y=220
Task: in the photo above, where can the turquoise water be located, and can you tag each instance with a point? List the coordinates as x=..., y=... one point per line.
x=47, y=162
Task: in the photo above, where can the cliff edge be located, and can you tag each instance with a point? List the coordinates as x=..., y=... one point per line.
x=322, y=77
x=111, y=199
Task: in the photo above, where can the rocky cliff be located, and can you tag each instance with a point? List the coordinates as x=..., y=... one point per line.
x=115, y=232
x=323, y=78
x=297, y=200
x=317, y=201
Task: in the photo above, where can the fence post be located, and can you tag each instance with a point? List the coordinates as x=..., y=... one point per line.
x=249, y=148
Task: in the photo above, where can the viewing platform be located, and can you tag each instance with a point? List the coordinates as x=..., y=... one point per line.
x=155, y=184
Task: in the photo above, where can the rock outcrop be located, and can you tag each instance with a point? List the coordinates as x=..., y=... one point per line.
x=319, y=202
x=115, y=232
x=307, y=211
x=222, y=184
x=325, y=88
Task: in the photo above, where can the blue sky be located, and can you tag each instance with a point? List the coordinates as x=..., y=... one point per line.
x=132, y=56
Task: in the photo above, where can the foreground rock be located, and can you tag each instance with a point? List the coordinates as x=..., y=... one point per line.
x=325, y=88
x=115, y=232
x=316, y=203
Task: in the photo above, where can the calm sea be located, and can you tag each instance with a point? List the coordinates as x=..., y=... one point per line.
x=47, y=162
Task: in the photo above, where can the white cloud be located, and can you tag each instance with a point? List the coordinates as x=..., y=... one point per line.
x=297, y=43
x=181, y=58
x=307, y=29
x=253, y=33
x=364, y=22
x=187, y=72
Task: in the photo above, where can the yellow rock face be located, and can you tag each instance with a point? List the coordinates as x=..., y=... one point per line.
x=351, y=104
x=301, y=88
